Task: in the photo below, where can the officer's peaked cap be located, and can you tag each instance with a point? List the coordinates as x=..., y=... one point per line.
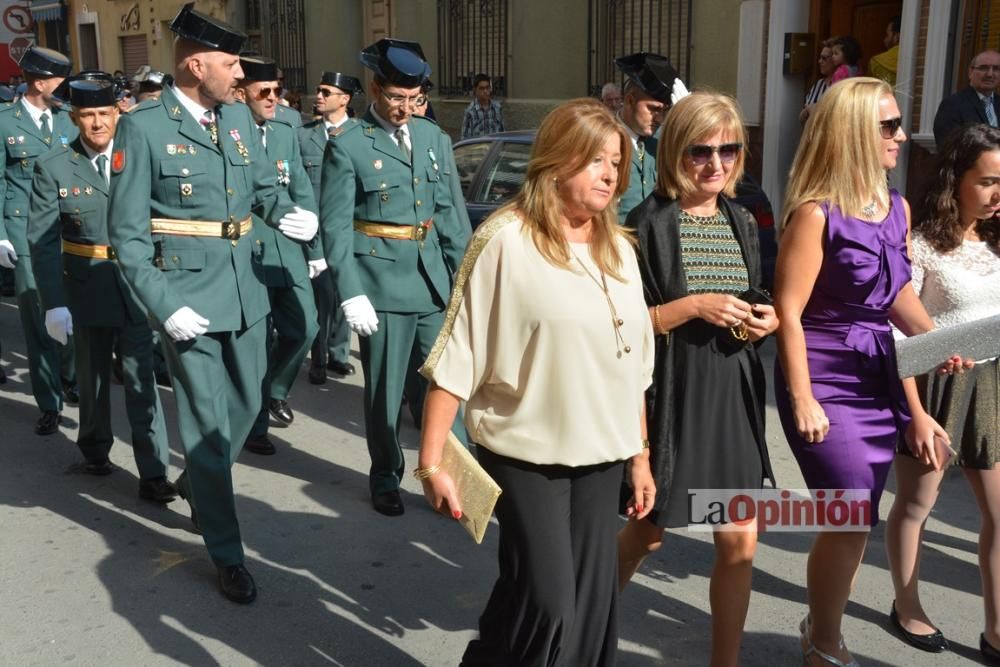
x=86, y=93
x=45, y=62
x=346, y=83
x=397, y=61
x=650, y=72
x=258, y=68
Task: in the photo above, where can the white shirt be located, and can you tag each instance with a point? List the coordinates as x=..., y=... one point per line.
x=92, y=156
x=631, y=133
x=193, y=108
x=328, y=125
x=263, y=133
x=36, y=113
x=392, y=129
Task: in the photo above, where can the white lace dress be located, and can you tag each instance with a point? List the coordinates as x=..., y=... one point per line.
x=955, y=287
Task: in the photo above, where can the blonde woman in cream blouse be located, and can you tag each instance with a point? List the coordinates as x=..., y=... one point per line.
x=955, y=252
x=548, y=341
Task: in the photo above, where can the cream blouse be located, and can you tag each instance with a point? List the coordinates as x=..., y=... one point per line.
x=532, y=349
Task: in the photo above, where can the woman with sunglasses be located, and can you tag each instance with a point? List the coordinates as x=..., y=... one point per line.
x=956, y=272
x=825, y=80
x=842, y=274
x=699, y=257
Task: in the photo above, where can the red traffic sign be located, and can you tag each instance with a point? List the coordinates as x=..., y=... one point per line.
x=17, y=19
x=18, y=46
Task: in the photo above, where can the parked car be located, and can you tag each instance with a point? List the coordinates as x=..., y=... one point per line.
x=492, y=168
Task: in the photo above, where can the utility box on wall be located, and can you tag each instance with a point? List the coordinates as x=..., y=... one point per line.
x=800, y=50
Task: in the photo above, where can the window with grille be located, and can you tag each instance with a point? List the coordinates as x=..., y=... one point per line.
x=621, y=27
x=472, y=38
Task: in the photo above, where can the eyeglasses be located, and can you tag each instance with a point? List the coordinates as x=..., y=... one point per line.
x=987, y=68
x=400, y=100
x=701, y=153
x=890, y=127
x=323, y=92
x=265, y=93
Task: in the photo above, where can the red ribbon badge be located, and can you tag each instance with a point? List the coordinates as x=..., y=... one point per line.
x=117, y=161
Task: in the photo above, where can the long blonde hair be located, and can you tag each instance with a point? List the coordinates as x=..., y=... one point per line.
x=570, y=136
x=839, y=156
x=695, y=118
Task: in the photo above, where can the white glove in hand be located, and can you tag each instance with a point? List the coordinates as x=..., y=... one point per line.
x=679, y=92
x=316, y=267
x=360, y=315
x=185, y=324
x=59, y=324
x=7, y=255
x=299, y=225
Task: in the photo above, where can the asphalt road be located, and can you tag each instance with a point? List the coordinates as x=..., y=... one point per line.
x=92, y=575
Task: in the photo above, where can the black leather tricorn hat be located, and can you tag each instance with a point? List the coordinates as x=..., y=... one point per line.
x=211, y=32
x=652, y=73
x=345, y=82
x=62, y=92
x=397, y=61
x=258, y=68
x=91, y=93
x=45, y=62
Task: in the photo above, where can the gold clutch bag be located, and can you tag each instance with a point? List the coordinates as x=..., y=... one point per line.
x=476, y=490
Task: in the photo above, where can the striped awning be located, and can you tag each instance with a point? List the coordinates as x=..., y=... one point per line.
x=46, y=10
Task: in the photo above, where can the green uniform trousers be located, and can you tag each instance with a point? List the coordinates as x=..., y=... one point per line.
x=291, y=330
x=216, y=379
x=49, y=363
x=333, y=340
x=385, y=358
x=142, y=400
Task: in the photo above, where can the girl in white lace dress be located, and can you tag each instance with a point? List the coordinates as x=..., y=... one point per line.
x=955, y=252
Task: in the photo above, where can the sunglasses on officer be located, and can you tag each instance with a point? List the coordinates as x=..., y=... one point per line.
x=328, y=92
x=890, y=127
x=265, y=93
x=700, y=154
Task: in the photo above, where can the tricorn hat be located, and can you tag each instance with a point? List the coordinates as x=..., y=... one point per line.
x=397, y=61
x=91, y=93
x=45, y=62
x=651, y=73
x=346, y=83
x=211, y=32
x=258, y=68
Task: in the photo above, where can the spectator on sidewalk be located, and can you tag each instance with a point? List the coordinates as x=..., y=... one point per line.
x=883, y=65
x=483, y=115
x=976, y=103
x=611, y=97
x=846, y=56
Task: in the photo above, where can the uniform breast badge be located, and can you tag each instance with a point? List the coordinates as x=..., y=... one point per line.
x=88, y=191
x=377, y=164
x=75, y=191
x=430, y=154
x=11, y=140
x=171, y=149
x=283, y=172
x=181, y=149
x=186, y=190
x=63, y=193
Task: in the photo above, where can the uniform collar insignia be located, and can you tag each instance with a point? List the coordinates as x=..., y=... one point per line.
x=175, y=111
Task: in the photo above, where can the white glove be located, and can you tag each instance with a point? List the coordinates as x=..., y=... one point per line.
x=679, y=92
x=360, y=315
x=59, y=324
x=7, y=255
x=299, y=225
x=316, y=267
x=185, y=324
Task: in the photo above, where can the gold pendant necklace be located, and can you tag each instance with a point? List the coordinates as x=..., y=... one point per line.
x=616, y=321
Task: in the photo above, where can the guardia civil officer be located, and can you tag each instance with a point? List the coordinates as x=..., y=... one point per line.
x=332, y=346
x=392, y=241
x=288, y=264
x=186, y=171
x=650, y=83
x=30, y=128
x=83, y=292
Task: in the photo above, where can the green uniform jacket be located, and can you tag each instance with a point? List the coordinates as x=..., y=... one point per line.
x=284, y=260
x=312, y=142
x=69, y=200
x=642, y=178
x=24, y=145
x=166, y=166
x=288, y=116
x=366, y=177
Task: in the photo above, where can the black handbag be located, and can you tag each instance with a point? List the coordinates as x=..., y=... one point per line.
x=735, y=338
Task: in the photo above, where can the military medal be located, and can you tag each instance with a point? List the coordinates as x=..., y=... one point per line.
x=377, y=164
x=171, y=149
x=76, y=191
x=20, y=139
x=235, y=134
x=430, y=154
x=192, y=150
x=88, y=191
x=186, y=189
x=63, y=193
x=10, y=140
x=283, y=176
x=64, y=140
x=181, y=149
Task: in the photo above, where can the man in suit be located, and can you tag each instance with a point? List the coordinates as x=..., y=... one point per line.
x=84, y=294
x=649, y=82
x=331, y=350
x=392, y=240
x=32, y=127
x=187, y=170
x=975, y=104
x=288, y=264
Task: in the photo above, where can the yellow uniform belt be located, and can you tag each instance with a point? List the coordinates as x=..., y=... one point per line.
x=401, y=232
x=210, y=228
x=91, y=251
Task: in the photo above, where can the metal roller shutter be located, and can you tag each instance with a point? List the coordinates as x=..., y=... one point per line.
x=134, y=53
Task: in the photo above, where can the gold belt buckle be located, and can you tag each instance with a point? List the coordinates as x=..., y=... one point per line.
x=111, y=253
x=420, y=232
x=231, y=230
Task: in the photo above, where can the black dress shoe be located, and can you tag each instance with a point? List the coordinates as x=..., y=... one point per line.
x=70, y=394
x=237, y=584
x=163, y=379
x=48, y=423
x=932, y=643
x=260, y=444
x=317, y=375
x=990, y=654
x=99, y=468
x=341, y=367
x=280, y=411
x=389, y=503
x=157, y=489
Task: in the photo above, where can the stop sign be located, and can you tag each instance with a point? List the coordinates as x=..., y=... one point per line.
x=18, y=46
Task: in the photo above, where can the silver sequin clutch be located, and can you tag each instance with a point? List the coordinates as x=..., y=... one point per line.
x=921, y=354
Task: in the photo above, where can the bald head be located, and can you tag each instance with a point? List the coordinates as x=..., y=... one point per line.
x=204, y=74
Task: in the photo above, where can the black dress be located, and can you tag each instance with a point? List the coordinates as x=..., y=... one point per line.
x=705, y=408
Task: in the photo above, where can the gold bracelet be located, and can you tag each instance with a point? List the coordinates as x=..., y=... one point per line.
x=424, y=473
x=645, y=443
x=656, y=320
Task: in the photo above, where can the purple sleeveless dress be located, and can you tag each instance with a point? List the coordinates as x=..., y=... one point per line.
x=851, y=356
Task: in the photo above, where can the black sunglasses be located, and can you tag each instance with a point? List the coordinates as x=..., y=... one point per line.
x=890, y=127
x=701, y=153
x=265, y=93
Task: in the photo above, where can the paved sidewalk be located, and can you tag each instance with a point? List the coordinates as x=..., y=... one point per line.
x=92, y=575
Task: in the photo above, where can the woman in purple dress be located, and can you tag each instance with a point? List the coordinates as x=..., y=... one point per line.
x=842, y=275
